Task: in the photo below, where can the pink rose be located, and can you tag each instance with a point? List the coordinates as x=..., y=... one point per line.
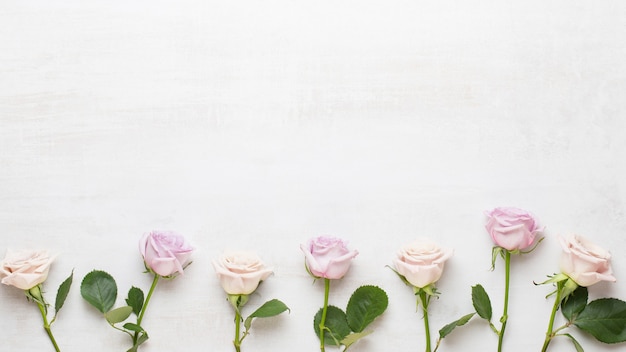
x=240, y=272
x=421, y=262
x=511, y=228
x=25, y=269
x=327, y=257
x=585, y=262
x=165, y=252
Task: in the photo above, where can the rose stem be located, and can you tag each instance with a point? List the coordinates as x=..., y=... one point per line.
x=425, y=301
x=557, y=301
x=46, y=326
x=505, y=317
x=237, y=342
x=324, y=309
x=145, y=305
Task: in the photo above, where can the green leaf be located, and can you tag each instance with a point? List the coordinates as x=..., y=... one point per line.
x=604, y=319
x=62, y=292
x=578, y=347
x=335, y=322
x=133, y=327
x=572, y=305
x=268, y=309
x=365, y=305
x=481, y=302
x=135, y=299
x=118, y=315
x=99, y=289
x=446, y=330
x=354, y=337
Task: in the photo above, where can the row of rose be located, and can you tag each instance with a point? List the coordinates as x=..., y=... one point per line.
x=419, y=264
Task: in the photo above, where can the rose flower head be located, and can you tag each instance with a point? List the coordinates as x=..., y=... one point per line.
x=421, y=262
x=327, y=257
x=585, y=262
x=165, y=252
x=25, y=269
x=511, y=228
x=240, y=272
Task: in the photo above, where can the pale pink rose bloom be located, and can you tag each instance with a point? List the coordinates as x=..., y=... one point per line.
x=584, y=262
x=25, y=269
x=165, y=252
x=421, y=262
x=511, y=228
x=240, y=272
x=328, y=257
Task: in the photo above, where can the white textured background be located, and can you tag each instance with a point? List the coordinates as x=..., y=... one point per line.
x=259, y=124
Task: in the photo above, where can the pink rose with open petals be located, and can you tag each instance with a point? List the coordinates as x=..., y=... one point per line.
x=511, y=228
x=165, y=252
x=25, y=269
x=584, y=262
x=328, y=257
x=421, y=262
x=240, y=272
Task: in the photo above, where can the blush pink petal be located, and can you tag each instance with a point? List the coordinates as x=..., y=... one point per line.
x=584, y=262
x=240, y=272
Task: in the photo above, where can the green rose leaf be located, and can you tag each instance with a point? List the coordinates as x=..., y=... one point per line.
x=481, y=302
x=365, y=305
x=354, y=337
x=62, y=292
x=99, y=289
x=605, y=319
x=133, y=327
x=335, y=322
x=578, y=347
x=118, y=315
x=135, y=299
x=268, y=309
x=573, y=304
x=446, y=330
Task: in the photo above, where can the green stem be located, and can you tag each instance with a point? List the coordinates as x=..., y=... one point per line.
x=425, y=300
x=324, y=310
x=145, y=306
x=549, y=332
x=237, y=341
x=46, y=326
x=507, y=279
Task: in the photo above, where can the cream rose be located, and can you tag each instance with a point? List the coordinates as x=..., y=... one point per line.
x=240, y=272
x=421, y=262
x=25, y=269
x=584, y=262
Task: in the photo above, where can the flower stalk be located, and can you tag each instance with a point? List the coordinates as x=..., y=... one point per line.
x=425, y=299
x=145, y=306
x=46, y=326
x=550, y=333
x=507, y=280
x=324, y=311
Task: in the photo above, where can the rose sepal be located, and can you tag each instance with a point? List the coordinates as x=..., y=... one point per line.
x=238, y=301
x=564, y=284
x=34, y=294
x=429, y=290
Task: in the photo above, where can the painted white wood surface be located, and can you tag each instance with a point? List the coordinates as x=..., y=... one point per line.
x=258, y=124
